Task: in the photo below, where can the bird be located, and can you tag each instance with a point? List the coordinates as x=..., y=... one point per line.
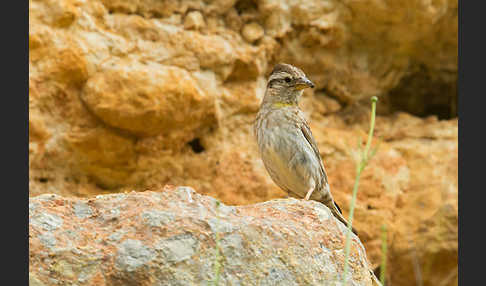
x=285, y=142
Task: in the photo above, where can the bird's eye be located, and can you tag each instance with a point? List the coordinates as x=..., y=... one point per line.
x=287, y=79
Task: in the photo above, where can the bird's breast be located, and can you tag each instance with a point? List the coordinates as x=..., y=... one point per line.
x=288, y=157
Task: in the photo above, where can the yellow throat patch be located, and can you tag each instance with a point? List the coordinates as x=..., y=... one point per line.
x=281, y=104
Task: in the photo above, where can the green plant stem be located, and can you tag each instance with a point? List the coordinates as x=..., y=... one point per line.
x=374, y=99
x=362, y=164
x=350, y=224
x=217, y=263
x=383, y=253
x=217, y=260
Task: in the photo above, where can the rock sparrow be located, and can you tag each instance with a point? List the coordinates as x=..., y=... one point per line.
x=287, y=147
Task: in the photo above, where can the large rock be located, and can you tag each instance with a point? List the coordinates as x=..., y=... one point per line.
x=149, y=100
x=178, y=237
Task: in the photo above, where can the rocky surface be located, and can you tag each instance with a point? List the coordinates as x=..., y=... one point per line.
x=136, y=94
x=176, y=236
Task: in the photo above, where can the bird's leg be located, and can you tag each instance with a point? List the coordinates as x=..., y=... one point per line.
x=309, y=193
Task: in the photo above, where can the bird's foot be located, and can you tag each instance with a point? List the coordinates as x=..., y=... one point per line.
x=309, y=193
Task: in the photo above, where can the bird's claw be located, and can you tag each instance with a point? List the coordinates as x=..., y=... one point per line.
x=309, y=193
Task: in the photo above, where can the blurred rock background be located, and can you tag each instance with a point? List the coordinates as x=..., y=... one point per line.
x=133, y=95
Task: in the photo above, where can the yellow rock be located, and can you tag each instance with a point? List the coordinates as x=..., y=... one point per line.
x=148, y=100
x=252, y=32
x=194, y=20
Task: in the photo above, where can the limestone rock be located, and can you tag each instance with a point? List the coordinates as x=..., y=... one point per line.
x=110, y=168
x=194, y=20
x=252, y=32
x=148, y=100
x=116, y=242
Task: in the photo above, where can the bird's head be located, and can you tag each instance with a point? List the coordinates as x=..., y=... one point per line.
x=286, y=84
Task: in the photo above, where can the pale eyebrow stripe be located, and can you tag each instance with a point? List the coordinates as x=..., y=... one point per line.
x=277, y=76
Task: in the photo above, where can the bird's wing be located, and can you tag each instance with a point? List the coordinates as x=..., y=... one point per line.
x=304, y=127
x=312, y=142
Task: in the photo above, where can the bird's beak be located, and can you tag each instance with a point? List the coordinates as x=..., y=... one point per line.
x=303, y=83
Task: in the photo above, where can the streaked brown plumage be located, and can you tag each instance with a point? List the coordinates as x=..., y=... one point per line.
x=287, y=147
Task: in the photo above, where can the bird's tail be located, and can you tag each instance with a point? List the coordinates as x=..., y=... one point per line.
x=336, y=211
x=324, y=196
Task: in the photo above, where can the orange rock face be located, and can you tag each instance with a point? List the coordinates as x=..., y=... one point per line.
x=134, y=95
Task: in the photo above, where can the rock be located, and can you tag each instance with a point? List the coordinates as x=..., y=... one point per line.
x=101, y=165
x=252, y=32
x=425, y=225
x=131, y=254
x=288, y=242
x=407, y=185
x=47, y=221
x=194, y=20
x=59, y=14
x=148, y=100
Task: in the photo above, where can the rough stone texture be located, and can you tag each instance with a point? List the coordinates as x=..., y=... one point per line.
x=279, y=242
x=136, y=94
x=194, y=20
x=252, y=32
